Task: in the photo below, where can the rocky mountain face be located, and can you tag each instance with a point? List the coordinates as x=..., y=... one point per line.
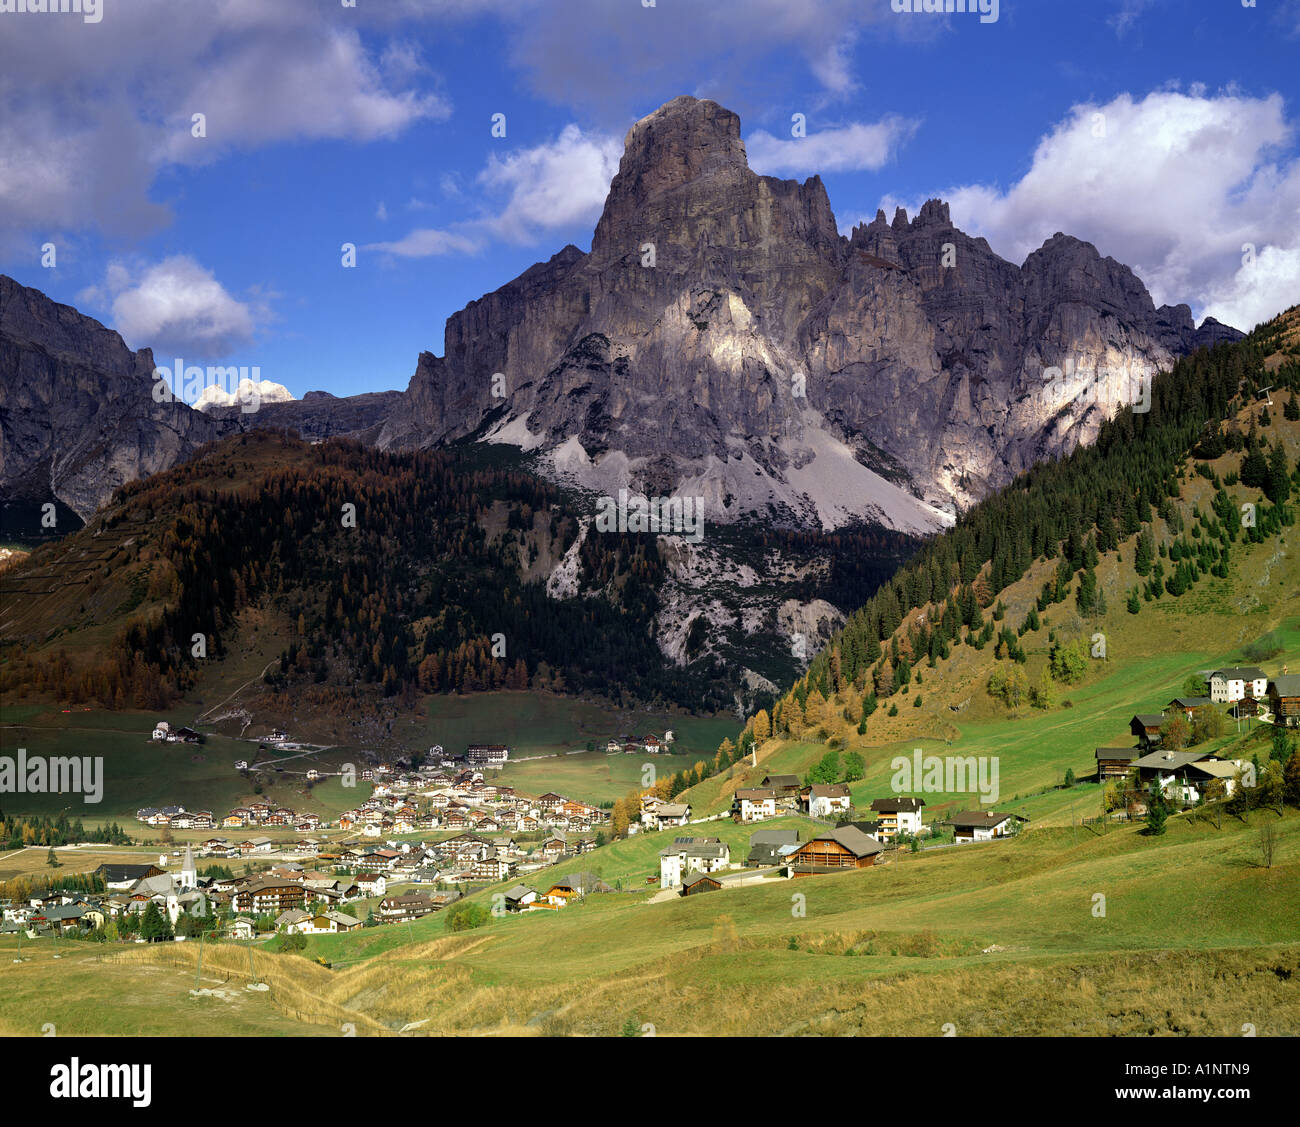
x=723, y=339
x=77, y=417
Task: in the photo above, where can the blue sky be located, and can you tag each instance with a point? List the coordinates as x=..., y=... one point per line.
x=372, y=125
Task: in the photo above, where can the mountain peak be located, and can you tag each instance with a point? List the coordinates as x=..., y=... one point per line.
x=690, y=146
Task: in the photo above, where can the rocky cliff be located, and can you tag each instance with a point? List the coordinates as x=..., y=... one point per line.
x=77, y=417
x=723, y=339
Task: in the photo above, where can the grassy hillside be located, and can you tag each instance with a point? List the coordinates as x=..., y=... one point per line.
x=1197, y=938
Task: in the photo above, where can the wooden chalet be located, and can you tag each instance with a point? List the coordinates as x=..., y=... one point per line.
x=833, y=852
x=1116, y=762
x=1284, y=700
x=1146, y=727
x=700, y=882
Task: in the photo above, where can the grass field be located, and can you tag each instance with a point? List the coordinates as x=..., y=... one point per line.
x=1197, y=937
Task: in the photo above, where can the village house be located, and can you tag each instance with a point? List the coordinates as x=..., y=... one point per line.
x=411, y=906
x=372, y=884
x=1183, y=776
x=691, y=855
x=983, y=825
x=329, y=922
x=840, y=849
x=1116, y=762
x=825, y=800
x=898, y=816
x=672, y=814
x=269, y=897
x=753, y=804
x=1188, y=706
x=700, y=882
x=1284, y=700
x=1228, y=685
x=519, y=898
x=771, y=847
x=1146, y=727
x=487, y=755
x=289, y=921
x=1246, y=708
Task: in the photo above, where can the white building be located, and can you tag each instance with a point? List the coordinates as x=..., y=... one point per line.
x=827, y=800
x=689, y=855
x=1228, y=685
x=754, y=804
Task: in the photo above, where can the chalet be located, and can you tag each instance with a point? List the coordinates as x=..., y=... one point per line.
x=555, y=847
x=519, y=898
x=241, y=928
x=329, y=922
x=269, y=897
x=1284, y=700
x=551, y=801
x=1183, y=775
x=408, y=907
x=1116, y=762
x=898, y=816
x=783, y=786
x=841, y=849
x=1245, y=708
x=825, y=800
x=672, y=814
x=983, y=825
x=1146, y=727
x=162, y=730
x=652, y=745
x=256, y=845
x=574, y=887
x=1188, y=706
x=289, y=921
x=753, y=804
x=612, y=747
x=691, y=855
x=1228, y=685
x=771, y=847
x=700, y=882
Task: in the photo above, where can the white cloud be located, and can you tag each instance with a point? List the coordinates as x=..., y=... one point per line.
x=92, y=114
x=176, y=306
x=561, y=183
x=552, y=186
x=1174, y=188
x=847, y=148
x=425, y=242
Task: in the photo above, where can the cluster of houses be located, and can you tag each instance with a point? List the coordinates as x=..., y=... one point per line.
x=645, y=745
x=1186, y=776
x=784, y=794
x=399, y=803
x=165, y=733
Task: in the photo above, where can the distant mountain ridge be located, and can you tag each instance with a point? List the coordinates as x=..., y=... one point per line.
x=721, y=339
